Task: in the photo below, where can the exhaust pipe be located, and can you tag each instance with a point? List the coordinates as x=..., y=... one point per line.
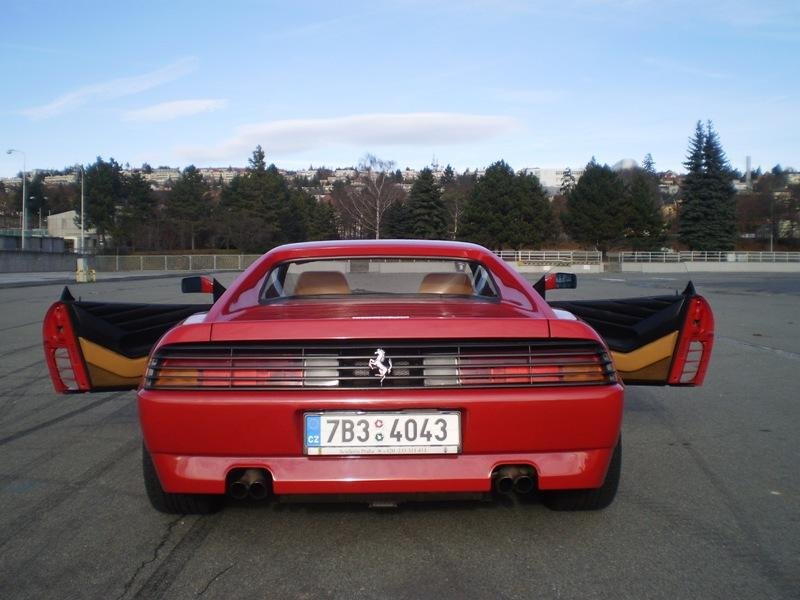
x=251, y=483
x=509, y=478
x=523, y=484
x=258, y=485
x=504, y=479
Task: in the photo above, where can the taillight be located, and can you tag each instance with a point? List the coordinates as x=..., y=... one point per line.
x=62, y=354
x=222, y=373
x=694, y=345
x=576, y=368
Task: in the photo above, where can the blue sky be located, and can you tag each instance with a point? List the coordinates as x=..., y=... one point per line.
x=547, y=83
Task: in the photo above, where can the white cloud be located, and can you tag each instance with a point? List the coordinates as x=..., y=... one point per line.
x=114, y=88
x=166, y=111
x=365, y=131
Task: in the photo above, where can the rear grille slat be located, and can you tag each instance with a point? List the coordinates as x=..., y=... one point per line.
x=423, y=364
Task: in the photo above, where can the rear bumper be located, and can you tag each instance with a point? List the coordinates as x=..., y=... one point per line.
x=566, y=434
x=382, y=475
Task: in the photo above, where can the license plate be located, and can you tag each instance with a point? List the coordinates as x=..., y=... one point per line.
x=409, y=432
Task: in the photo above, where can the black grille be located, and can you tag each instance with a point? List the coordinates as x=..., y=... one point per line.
x=413, y=365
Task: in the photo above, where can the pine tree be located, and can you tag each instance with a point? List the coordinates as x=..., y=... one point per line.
x=567, y=182
x=707, y=218
x=644, y=224
x=396, y=221
x=649, y=165
x=256, y=211
x=596, y=208
x=505, y=210
x=189, y=207
x=104, y=191
x=448, y=177
x=426, y=213
x=135, y=227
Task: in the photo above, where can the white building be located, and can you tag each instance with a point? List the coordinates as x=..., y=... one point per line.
x=61, y=179
x=214, y=174
x=63, y=225
x=551, y=178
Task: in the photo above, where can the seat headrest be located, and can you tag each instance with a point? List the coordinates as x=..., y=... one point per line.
x=312, y=283
x=446, y=283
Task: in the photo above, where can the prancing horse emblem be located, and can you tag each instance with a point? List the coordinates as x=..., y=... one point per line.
x=379, y=362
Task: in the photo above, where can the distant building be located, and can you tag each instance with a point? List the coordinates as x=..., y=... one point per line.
x=62, y=225
x=11, y=181
x=214, y=175
x=68, y=179
x=551, y=178
x=160, y=178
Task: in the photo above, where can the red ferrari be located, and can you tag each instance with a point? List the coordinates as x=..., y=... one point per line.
x=381, y=371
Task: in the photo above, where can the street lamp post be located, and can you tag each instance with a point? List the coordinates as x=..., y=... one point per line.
x=83, y=247
x=24, y=195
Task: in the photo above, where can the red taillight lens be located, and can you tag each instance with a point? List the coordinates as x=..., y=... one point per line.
x=499, y=370
x=224, y=373
x=694, y=345
x=62, y=353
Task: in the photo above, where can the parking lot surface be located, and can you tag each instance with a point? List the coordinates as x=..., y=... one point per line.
x=708, y=506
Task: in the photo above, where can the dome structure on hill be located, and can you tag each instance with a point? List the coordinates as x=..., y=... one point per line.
x=625, y=164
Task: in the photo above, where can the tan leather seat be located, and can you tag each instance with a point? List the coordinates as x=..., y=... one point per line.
x=312, y=283
x=446, y=283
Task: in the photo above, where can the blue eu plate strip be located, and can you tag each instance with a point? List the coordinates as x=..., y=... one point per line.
x=313, y=424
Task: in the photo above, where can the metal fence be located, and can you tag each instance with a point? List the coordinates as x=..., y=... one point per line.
x=552, y=257
x=707, y=257
x=175, y=262
x=239, y=262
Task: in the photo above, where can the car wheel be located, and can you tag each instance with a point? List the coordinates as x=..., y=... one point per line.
x=184, y=504
x=592, y=499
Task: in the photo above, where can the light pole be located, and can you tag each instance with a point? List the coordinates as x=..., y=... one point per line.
x=24, y=195
x=83, y=247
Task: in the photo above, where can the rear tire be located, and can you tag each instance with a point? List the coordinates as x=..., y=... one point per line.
x=592, y=499
x=182, y=504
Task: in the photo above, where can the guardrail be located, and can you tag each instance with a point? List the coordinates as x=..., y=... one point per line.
x=552, y=257
x=175, y=262
x=709, y=257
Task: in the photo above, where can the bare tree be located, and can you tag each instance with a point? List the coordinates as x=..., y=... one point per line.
x=369, y=197
x=455, y=196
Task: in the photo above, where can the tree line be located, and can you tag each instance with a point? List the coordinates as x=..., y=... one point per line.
x=603, y=209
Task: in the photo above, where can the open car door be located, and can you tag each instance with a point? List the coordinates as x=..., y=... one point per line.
x=100, y=346
x=654, y=340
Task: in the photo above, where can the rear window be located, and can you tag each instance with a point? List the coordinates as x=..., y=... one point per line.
x=379, y=277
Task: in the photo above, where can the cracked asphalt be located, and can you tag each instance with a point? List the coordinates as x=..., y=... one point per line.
x=708, y=507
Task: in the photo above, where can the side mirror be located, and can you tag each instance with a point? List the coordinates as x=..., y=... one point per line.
x=561, y=281
x=202, y=284
x=556, y=281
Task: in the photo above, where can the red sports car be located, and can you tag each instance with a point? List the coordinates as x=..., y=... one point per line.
x=379, y=370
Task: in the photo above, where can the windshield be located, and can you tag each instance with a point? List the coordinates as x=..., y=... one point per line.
x=378, y=276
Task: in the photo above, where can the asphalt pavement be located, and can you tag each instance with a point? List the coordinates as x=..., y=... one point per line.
x=708, y=506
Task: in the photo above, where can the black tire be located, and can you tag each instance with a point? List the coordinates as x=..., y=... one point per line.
x=181, y=504
x=592, y=499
